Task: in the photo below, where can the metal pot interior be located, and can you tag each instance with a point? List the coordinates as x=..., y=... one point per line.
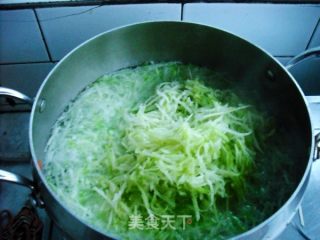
x=250, y=68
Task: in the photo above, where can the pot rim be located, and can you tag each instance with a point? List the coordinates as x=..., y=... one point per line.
x=303, y=181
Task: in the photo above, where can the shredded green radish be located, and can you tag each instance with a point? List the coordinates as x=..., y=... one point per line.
x=157, y=140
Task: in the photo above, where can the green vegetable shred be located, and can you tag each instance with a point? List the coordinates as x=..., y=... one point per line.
x=165, y=142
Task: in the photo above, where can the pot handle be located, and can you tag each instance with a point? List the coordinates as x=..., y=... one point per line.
x=15, y=94
x=12, y=177
x=20, y=180
x=17, y=179
x=302, y=56
x=313, y=101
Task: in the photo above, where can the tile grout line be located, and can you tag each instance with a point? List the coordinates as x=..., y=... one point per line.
x=21, y=63
x=42, y=35
x=313, y=34
x=181, y=15
x=279, y=56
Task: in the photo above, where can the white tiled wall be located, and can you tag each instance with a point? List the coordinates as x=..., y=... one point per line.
x=66, y=27
x=283, y=60
x=281, y=29
x=20, y=38
x=315, y=41
x=284, y=30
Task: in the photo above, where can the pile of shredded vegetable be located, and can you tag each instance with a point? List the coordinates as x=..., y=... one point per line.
x=157, y=140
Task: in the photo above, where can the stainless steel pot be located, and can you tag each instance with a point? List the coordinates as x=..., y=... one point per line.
x=251, y=67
